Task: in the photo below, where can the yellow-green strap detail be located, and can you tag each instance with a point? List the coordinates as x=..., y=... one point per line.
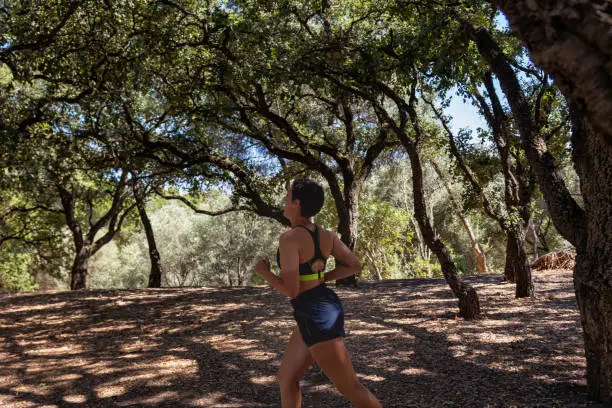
x=311, y=277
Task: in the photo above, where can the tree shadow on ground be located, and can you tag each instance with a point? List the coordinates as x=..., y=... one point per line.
x=221, y=347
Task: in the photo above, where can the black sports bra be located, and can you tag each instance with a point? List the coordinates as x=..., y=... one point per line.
x=306, y=271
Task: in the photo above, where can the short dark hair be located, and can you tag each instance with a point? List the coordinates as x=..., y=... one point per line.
x=311, y=196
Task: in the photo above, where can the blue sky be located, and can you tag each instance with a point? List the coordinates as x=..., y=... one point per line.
x=464, y=114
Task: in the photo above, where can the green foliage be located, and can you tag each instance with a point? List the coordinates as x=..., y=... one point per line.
x=383, y=238
x=422, y=268
x=15, y=272
x=195, y=249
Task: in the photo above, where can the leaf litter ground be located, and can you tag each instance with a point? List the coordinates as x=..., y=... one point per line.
x=212, y=347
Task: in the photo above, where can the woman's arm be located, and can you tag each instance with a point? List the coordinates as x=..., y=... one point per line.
x=347, y=263
x=340, y=272
x=289, y=283
x=276, y=282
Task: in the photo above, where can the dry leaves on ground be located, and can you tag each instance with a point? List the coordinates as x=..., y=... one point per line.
x=211, y=347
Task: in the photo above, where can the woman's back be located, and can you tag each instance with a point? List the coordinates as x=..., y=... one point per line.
x=329, y=245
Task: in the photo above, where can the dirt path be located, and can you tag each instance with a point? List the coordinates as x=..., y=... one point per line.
x=221, y=347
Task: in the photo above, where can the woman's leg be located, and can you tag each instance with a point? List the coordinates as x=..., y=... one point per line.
x=295, y=362
x=335, y=362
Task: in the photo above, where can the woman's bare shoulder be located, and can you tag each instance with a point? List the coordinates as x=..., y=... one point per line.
x=288, y=235
x=327, y=236
x=295, y=235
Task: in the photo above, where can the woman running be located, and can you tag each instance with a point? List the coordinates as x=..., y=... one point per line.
x=302, y=255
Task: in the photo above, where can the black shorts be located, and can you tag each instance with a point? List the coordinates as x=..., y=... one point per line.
x=319, y=315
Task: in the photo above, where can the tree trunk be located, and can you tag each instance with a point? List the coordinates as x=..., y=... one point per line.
x=87, y=245
x=593, y=270
x=347, y=226
x=595, y=302
x=532, y=228
x=78, y=273
x=469, y=306
x=347, y=230
x=517, y=264
x=155, y=276
x=481, y=259
x=422, y=248
x=510, y=271
x=239, y=277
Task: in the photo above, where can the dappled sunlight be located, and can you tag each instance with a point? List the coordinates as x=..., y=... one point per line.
x=118, y=327
x=68, y=377
x=222, y=348
x=403, y=322
x=263, y=380
x=64, y=350
x=373, y=332
x=106, y=391
x=40, y=389
x=416, y=371
x=375, y=378
x=164, y=397
x=32, y=308
x=75, y=398
x=217, y=400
